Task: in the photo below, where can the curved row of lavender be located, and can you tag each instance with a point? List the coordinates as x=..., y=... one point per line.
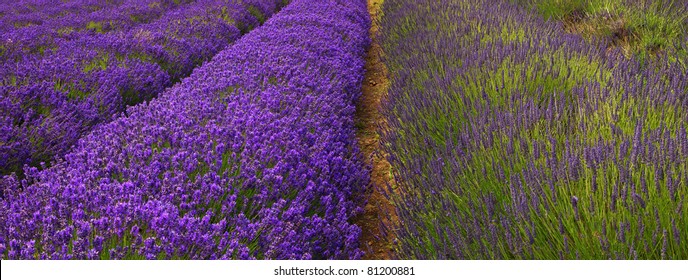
x=49, y=24
x=23, y=13
x=511, y=139
x=252, y=156
x=47, y=102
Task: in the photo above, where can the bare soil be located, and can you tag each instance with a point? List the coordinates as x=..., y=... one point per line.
x=608, y=25
x=379, y=218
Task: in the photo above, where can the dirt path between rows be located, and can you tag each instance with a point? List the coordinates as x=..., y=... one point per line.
x=379, y=213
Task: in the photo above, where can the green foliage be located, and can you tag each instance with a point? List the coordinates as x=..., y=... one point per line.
x=99, y=63
x=95, y=26
x=557, y=9
x=226, y=17
x=255, y=12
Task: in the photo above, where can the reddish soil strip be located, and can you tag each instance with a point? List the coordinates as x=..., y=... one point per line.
x=379, y=212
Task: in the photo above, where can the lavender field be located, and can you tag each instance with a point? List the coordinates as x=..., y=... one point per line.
x=343, y=129
x=511, y=138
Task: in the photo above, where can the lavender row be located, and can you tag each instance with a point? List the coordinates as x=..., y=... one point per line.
x=48, y=102
x=252, y=156
x=39, y=35
x=23, y=13
x=511, y=139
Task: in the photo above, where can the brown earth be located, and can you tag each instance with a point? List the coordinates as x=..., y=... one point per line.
x=379, y=218
x=604, y=24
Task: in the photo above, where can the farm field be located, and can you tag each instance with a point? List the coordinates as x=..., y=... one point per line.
x=344, y=129
x=514, y=139
x=89, y=75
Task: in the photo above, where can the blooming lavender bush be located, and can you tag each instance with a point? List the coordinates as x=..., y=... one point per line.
x=252, y=156
x=511, y=139
x=48, y=101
